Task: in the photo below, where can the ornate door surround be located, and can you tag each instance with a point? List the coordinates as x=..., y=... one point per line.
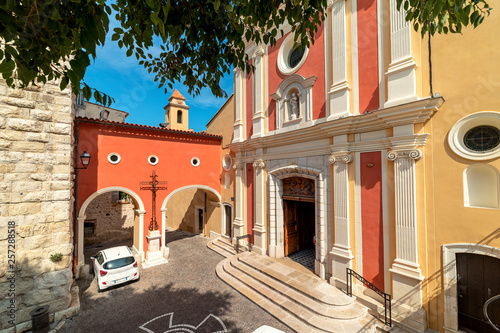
x=276, y=244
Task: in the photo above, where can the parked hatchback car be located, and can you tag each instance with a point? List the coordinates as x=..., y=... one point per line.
x=114, y=266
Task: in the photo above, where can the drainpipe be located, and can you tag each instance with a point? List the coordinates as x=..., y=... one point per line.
x=430, y=60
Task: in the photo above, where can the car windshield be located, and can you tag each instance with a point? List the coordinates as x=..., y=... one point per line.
x=117, y=263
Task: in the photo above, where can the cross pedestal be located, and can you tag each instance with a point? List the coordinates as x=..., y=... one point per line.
x=155, y=256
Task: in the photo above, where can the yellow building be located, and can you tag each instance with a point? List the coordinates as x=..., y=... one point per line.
x=383, y=148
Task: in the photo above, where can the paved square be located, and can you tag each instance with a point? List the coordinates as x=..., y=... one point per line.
x=184, y=295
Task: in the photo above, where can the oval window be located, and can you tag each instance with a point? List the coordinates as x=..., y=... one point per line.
x=227, y=161
x=114, y=158
x=195, y=161
x=153, y=160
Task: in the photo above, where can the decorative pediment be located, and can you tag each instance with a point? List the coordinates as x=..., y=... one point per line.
x=294, y=100
x=291, y=80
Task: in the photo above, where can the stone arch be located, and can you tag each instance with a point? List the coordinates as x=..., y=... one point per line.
x=276, y=221
x=171, y=194
x=140, y=211
x=450, y=277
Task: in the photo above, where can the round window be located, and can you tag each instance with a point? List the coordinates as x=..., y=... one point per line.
x=195, y=161
x=290, y=56
x=295, y=57
x=114, y=158
x=153, y=160
x=482, y=138
x=476, y=136
x=227, y=161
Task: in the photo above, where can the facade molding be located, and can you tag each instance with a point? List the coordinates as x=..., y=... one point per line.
x=276, y=215
x=405, y=114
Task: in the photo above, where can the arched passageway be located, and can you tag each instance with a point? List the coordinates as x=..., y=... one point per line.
x=109, y=229
x=193, y=208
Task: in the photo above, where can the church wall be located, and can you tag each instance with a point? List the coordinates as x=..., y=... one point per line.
x=422, y=185
x=36, y=211
x=221, y=124
x=470, y=82
x=368, y=55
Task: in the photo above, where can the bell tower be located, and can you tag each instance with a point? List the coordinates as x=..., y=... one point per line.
x=177, y=112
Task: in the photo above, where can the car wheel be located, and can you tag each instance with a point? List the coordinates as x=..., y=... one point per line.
x=99, y=290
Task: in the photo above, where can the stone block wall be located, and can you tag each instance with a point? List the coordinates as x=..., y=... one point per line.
x=36, y=182
x=113, y=220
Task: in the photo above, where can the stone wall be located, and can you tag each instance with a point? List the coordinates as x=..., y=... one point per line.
x=113, y=220
x=36, y=156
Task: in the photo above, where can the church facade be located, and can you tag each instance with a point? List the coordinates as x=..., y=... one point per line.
x=378, y=149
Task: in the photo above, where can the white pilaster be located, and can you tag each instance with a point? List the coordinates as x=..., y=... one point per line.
x=81, y=256
x=165, y=249
x=406, y=274
x=259, y=228
x=339, y=90
x=341, y=251
x=258, y=83
x=401, y=76
x=238, y=223
x=140, y=250
x=239, y=103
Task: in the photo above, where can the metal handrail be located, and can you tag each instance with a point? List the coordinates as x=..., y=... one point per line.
x=238, y=242
x=485, y=311
x=387, y=297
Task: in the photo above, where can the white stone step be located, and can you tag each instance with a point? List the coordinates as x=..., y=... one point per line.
x=221, y=247
x=303, y=308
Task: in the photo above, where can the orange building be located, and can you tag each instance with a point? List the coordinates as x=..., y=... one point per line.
x=123, y=158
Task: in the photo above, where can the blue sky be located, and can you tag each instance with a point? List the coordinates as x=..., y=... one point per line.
x=135, y=91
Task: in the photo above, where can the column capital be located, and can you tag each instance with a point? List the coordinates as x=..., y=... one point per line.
x=332, y=2
x=261, y=51
x=414, y=154
x=238, y=166
x=259, y=164
x=340, y=157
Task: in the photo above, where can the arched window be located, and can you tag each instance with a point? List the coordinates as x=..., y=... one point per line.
x=179, y=117
x=481, y=186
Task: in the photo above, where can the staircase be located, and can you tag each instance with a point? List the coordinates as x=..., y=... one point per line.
x=295, y=295
x=222, y=246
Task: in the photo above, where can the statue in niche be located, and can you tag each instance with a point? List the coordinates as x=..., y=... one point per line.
x=294, y=107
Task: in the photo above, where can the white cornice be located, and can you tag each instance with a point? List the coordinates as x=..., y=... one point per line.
x=405, y=114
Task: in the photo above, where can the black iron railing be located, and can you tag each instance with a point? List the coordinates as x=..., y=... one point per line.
x=238, y=242
x=387, y=297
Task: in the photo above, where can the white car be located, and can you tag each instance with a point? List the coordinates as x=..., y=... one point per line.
x=114, y=266
x=267, y=329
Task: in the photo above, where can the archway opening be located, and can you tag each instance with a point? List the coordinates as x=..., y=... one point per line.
x=194, y=209
x=110, y=217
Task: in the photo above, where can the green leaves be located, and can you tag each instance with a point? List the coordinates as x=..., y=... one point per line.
x=443, y=16
x=200, y=41
x=47, y=40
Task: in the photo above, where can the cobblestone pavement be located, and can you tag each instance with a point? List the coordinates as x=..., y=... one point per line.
x=183, y=293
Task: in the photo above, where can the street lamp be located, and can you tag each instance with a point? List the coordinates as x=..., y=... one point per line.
x=85, y=159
